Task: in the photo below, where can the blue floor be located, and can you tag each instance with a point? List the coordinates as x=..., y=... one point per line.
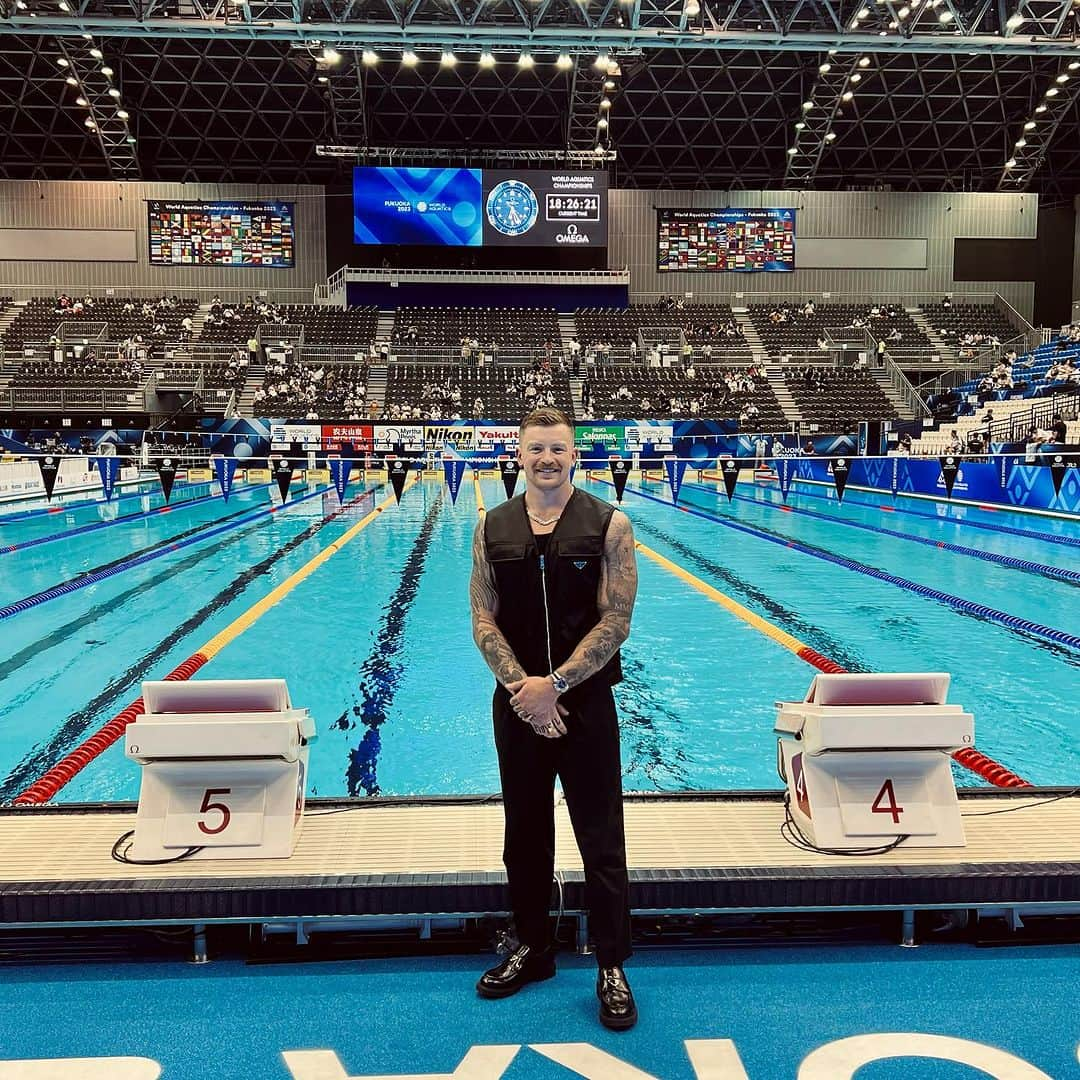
x=421, y=1016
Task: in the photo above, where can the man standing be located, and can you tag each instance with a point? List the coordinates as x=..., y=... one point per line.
x=552, y=593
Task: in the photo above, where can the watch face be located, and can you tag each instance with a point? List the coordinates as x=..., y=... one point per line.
x=512, y=208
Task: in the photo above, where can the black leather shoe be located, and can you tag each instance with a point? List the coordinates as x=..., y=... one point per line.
x=617, y=1008
x=523, y=966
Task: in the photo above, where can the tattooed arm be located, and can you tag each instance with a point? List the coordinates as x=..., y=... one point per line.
x=615, y=600
x=484, y=601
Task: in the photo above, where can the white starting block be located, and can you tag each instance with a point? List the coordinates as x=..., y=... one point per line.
x=866, y=759
x=224, y=769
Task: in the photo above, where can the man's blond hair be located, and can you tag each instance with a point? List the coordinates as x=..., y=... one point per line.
x=546, y=417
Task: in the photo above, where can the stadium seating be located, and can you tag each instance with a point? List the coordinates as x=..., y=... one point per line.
x=183, y=374
x=837, y=398
x=518, y=333
x=322, y=325
x=712, y=324
x=783, y=328
x=79, y=372
x=332, y=391
x=953, y=323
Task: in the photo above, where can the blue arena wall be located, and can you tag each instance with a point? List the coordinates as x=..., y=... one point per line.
x=385, y=294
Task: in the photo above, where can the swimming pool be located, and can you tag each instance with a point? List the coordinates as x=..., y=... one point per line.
x=377, y=644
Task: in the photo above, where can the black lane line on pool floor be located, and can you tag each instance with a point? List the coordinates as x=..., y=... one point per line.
x=819, y=640
x=381, y=671
x=75, y=727
x=645, y=751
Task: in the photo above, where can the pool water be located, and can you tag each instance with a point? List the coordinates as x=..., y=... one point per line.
x=377, y=642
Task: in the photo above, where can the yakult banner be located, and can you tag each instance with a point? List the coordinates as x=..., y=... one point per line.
x=489, y=437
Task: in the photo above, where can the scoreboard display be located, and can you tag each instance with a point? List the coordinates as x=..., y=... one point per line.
x=715, y=241
x=225, y=234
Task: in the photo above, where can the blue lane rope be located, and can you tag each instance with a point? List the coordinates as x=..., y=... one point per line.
x=8, y=549
x=101, y=575
x=969, y=607
x=1071, y=576
x=81, y=504
x=1027, y=534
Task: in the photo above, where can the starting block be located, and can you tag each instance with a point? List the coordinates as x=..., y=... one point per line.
x=224, y=769
x=866, y=760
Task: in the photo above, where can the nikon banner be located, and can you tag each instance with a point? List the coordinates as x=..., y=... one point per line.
x=397, y=469
x=49, y=466
x=339, y=473
x=784, y=470
x=283, y=473
x=839, y=469
x=166, y=470
x=950, y=466
x=619, y=472
x=453, y=470
x=109, y=469
x=675, y=469
x=224, y=471
x=509, y=470
x=729, y=470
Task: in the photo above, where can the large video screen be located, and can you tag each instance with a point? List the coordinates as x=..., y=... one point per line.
x=474, y=207
x=714, y=241
x=221, y=234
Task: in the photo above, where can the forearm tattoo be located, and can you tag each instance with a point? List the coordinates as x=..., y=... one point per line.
x=615, y=601
x=484, y=602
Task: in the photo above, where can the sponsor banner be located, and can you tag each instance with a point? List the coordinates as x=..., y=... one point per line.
x=337, y=437
x=283, y=474
x=339, y=471
x=641, y=432
x=486, y=438
x=166, y=470
x=675, y=468
x=950, y=472
x=317, y=476
x=784, y=472
x=258, y=476
x=447, y=436
x=588, y=436
x=305, y=436
x=509, y=470
x=729, y=470
x=108, y=469
x=397, y=469
x=224, y=471
x=620, y=470
x=49, y=466
x=409, y=436
x=839, y=469
x=196, y=476
x=453, y=470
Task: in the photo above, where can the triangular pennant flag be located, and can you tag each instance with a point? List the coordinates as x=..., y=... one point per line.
x=894, y=485
x=49, y=466
x=109, y=469
x=729, y=470
x=619, y=473
x=453, y=469
x=675, y=467
x=283, y=473
x=573, y=469
x=398, y=469
x=1004, y=464
x=339, y=472
x=510, y=471
x=166, y=470
x=1057, y=471
x=783, y=471
x=224, y=471
x=839, y=467
x=950, y=466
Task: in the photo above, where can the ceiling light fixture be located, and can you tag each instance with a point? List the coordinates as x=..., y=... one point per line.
x=564, y=62
x=409, y=58
x=864, y=61
x=369, y=57
x=486, y=59
x=448, y=59
x=525, y=61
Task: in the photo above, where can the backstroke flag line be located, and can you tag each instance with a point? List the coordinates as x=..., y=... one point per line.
x=453, y=470
x=339, y=473
x=166, y=470
x=109, y=469
x=398, y=469
x=675, y=469
x=509, y=470
x=840, y=474
x=729, y=470
x=224, y=471
x=283, y=473
x=619, y=473
x=49, y=466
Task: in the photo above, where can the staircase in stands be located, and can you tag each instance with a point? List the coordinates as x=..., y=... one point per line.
x=575, y=396
x=896, y=399
x=784, y=398
x=753, y=339
x=376, y=386
x=384, y=329
x=256, y=375
x=567, y=331
x=947, y=352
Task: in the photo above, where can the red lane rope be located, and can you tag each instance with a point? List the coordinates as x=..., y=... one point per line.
x=44, y=788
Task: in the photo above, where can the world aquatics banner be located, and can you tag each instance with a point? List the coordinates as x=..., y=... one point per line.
x=237, y=234
x=473, y=207
x=718, y=241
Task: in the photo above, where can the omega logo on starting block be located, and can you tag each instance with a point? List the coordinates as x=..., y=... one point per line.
x=866, y=760
x=224, y=769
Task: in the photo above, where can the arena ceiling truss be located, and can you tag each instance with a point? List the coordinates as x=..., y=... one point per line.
x=926, y=95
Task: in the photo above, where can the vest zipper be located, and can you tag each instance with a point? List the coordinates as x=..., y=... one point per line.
x=547, y=618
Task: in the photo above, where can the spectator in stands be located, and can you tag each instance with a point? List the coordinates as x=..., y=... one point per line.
x=1058, y=430
x=904, y=446
x=808, y=447
x=478, y=408
x=946, y=303
x=808, y=308
x=955, y=444
x=822, y=344
x=691, y=371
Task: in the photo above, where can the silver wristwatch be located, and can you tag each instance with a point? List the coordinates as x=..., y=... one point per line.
x=560, y=684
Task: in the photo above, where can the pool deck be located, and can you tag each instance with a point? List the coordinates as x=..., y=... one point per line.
x=402, y=858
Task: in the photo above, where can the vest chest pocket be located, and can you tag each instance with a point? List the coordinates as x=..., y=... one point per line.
x=580, y=554
x=500, y=551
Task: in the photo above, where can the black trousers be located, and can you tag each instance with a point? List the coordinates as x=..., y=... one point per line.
x=586, y=760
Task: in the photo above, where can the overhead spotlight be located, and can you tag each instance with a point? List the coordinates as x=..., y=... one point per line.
x=1040, y=108
x=64, y=5
x=792, y=150
x=89, y=123
x=107, y=71
x=87, y=37
x=856, y=78
x=833, y=52
x=1021, y=143
x=863, y=13
x=1011, y=163
x=601, y=61
x=904, y=12
x=1074, y=65
x=525, y=61
x=71, y=81
x=946, y=17
x=486, y=59
x=122, y=114
x=1052, y=92
x=799, y=125
x=369, y=57
x=830, y=136
x=894, y=25
x=563, y=62
x=62, y=61
x=855, y=24
x=602, y=123
x=330, y=56
x=692, y=9
x=323, y=79
x=807, y=106
x=864, y=61
x=609, y=84
x=1014, y=21
x=598, y=149
x=613, y=68
x=847, y=95
x=96, y=54
x=409, y=58
x=80, y=100
x=113, y=92
x=131, y=140
x=20, y=4
x=605, y=103
x=825, y=69
x=448, y=59
x=1062, y=79
x=1030, y=125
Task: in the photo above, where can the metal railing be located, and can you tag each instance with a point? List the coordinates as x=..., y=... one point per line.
x=1015, y=427
x=73, y=399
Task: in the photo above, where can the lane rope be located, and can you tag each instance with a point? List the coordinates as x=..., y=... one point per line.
x=46, y=786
